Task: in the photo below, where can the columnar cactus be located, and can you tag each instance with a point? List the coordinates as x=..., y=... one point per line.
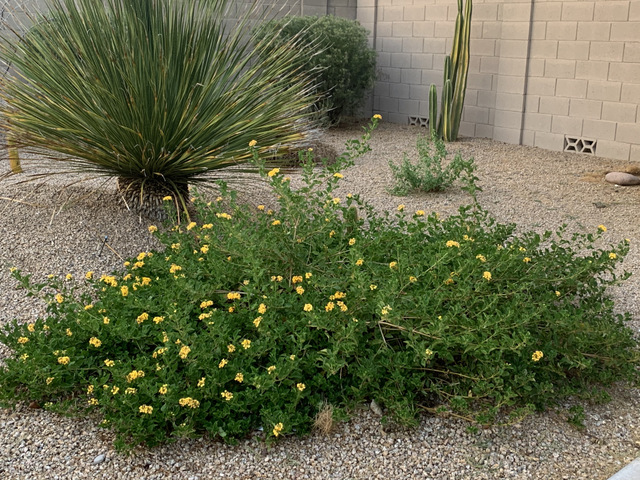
x=456, y=67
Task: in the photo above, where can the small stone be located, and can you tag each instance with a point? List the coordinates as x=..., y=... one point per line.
x=621, y=178
x=375, y=408
x=99, y=459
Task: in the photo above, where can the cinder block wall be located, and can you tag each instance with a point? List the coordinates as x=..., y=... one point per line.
x=540, y=70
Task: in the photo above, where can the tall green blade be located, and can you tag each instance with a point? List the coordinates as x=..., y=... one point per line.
x=463, y=69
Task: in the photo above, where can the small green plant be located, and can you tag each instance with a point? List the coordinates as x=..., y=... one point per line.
x=263, y=316
x=430, y=174
x=341, y=58
x=576, y=417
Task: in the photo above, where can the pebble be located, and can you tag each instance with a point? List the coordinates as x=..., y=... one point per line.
x=621, y=178
x=99, y=459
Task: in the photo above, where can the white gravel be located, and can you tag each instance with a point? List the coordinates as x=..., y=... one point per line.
x=48, y=229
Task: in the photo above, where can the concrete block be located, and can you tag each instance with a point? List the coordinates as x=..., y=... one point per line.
x=514, y=48
x=544, y=49
x=509, y=102
x=536, y=67
x=399, y=90
x=395, y=117
x=577, y=11
x=391, y=75
x=507, y=119
x=599, y=90
x=419, y=92
x=437, y=45
x=412, y=45
x=628, y=133
x=433, y=76
x=491, y=29
x=606, y=51
x=512, y=66
x=444, y=29
x=624, y=72
x=635, y=153
x=387, y=104
x=539, y=30
x=562, y=30
x=515, y=31
x=547, y=11
x=381, y=89
x=437, y=12
x=514, y=12
x=401, y=60
x=390, y=44
x=592, y=70
x=414, y=13
x=632, y=53
x=401, y=29
x=625, y=32
x=383, y=59
x=619, y=112
x=528, y=137
x=411, y=76
x=471, y=97
x=421, y=60
x=559, y=68
x=566, y=125
x=537, y=122
x=594, y=31
x=391, y=13
x=554, y=105
x=541, y=86
x=476, y=114
x=507, y=135
x=531, y=103
x=366, y=14
x=613, y=149
x=573, y=50
x=549, y=141
x=410, y=107
x=483, y=47
x=634, y=11
x=423, y=29
x=479, y=81
x=484, y=131
x=513, y=85
x=585, y=108
x=599, y=129
x=630, y=92
x=486, y=99
x=467, y=129
x=384, y=29
x=611, y=11
x=489, y=64
x=571, y=88
x=485, y=12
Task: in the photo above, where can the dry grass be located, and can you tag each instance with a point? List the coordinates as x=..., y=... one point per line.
x=324, y=419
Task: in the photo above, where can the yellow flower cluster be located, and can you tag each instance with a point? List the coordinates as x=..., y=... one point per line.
x=482, y=258
x=222, y=363
x=428, y=353
x=95, y=342
x=109, y=280
x=206, y=303
x=271, y=369
x=184, y=351
x=234, y=296
x=59, y=298
x=153, y=228
x=277, y=429
x=88, y=275
x=50, y=379
x=227, y=395
x=275, y=223
x=191, y=225
x=189, y=402
x=329, y=306
x=174, y=268
x=239, y=377
x=23, y=340
x=262, y=309
x=160, y=351
x=163, y=389
x=413, y=279
x=257, y=321
x=134, y=374
x=63, y=360
x=201, y=382
x=526, y=259
x=109, y=363
x=226, y=216
x=207, y=226
x=93, y=401
x=393, y=265
x=613, y=256
x=157, y=320
x=142, y=317
x=246, y=344
x=452, y=243
x=145, y=281
x=299, y=290
x=296, y=279
x=274, y=172
x=130, y=391
x=146, y=409
x=359, y=262
x=301, y=386
x=124, y=291
x=307, y=307
x=537, y=355
x=486, y=276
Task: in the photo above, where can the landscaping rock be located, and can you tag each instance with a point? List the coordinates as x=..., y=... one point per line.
x=621, y=178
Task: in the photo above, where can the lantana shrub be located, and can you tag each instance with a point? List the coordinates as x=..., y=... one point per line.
x=255, y=317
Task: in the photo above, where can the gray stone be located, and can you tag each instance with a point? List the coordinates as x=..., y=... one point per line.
x=621, y=178
x=99, y=459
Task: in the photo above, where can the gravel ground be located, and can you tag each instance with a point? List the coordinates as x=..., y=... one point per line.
x=45, y=228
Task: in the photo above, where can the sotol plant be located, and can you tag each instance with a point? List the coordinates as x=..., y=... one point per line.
x=456, y=67
x=157, y=93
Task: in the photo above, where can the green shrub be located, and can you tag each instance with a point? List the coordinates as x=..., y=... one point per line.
x=256, y=317
x=340, y=56
x=429, y=174
x=158, y=93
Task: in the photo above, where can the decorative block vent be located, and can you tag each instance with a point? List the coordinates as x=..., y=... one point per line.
x=580, y=145
x=419, y=121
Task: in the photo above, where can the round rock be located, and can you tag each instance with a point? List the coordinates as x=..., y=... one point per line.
x=621, y=178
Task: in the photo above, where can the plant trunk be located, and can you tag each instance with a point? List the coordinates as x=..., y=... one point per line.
x=146, y=198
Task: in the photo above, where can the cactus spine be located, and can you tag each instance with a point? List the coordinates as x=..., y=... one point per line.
x=456, y=67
